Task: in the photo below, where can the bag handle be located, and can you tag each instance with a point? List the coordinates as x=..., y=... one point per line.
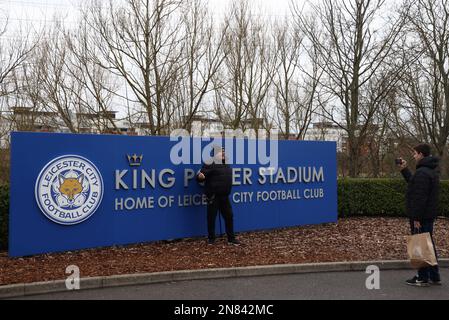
x=418, y=230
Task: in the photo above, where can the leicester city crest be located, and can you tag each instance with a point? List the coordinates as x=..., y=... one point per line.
x=69, y=189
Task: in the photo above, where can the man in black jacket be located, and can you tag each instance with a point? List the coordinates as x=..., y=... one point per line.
x=422, y=204
x=218, y=184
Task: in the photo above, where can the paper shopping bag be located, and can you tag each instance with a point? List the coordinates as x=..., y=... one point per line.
x=420, y=251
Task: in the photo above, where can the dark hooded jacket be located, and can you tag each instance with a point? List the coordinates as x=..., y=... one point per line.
x=218, y=179
x=423, y=189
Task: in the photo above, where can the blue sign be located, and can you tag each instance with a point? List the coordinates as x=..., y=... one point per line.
x=71, y=192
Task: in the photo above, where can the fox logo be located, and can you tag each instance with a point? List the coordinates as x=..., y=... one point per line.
x=69, y=189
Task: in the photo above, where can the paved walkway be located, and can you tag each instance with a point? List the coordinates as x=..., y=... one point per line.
x=331, y=285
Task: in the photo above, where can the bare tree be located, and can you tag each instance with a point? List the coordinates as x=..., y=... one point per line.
x=140, y=43
x=13, y=52
x=15, y=48
x=382, y=137
x=295, y=80
x=425, y=87
x=24, y=105
x=57, y=87
x=96, y=85
x=353, y=46
x=242, y=86
x=202, y=58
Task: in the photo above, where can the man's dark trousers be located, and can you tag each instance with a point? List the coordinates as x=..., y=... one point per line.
x=220, y=203
x=432, y=272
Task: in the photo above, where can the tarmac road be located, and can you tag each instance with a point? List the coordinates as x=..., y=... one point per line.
x=330, y=285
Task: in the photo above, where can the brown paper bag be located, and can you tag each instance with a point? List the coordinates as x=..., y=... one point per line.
x=420, y=251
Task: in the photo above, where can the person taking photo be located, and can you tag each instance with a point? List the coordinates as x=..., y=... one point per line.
x=422, y=204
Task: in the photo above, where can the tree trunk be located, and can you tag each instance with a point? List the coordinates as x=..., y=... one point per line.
x=353, y=159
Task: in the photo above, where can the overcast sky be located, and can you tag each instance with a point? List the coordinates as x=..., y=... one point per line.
x=40, y=12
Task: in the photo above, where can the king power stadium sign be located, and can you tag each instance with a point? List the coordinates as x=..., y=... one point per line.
x=71, y=192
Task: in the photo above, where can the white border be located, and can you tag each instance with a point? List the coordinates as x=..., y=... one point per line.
x=39, y=178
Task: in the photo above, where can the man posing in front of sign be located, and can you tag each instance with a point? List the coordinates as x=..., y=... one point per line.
x=218, y=184
x=422, y=204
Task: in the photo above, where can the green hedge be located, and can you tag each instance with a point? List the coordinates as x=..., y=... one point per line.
x=356, y=197
x=4, y=209
x=379, y=197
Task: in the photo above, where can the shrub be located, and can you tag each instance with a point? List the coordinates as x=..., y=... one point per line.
x=4, y=210
x=379, y=197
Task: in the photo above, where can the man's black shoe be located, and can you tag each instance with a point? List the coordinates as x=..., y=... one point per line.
x=435, y=282
x=234, y=242
x=211, y=241
x=416, y=282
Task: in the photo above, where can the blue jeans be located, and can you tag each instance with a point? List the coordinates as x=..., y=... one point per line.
x=433, y=272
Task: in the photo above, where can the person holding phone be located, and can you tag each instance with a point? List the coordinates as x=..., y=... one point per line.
x=422, y=204
x=217, y=177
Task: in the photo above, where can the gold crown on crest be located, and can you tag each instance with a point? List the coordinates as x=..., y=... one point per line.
x=135, y=160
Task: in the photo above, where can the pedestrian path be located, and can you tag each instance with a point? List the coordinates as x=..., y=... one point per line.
x=328, y=285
